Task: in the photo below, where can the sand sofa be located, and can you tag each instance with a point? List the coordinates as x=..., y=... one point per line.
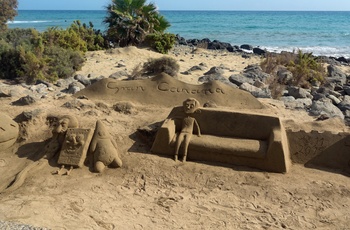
x=254, y=140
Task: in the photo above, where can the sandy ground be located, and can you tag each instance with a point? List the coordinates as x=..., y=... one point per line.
x=154, y=192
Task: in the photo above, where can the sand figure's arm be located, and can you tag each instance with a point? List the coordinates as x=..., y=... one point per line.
x=197, y=125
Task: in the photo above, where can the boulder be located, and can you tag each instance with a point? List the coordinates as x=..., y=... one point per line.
x=82, y=79
x=74, y=87
x=344, y=105
x=255, y=91
x=215, y=77
x=255, y=72
x=214, y=70
x=259, y=51
x=334, y=99
x=300, y=103
x=246, y=47
x=27, y=100
x=298, y=92
x=119, y=74
x=239, y=79
x=325, y=107
x=284, y=76
x=335, y=72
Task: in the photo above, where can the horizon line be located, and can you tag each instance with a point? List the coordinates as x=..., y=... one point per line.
x=204, y=10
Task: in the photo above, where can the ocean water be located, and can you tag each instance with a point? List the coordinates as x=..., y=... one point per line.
x=322, y=33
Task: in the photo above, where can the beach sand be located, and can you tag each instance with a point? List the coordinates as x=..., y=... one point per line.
x=154, y=192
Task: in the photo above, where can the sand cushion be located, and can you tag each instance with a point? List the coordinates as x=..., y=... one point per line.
x=253, y=140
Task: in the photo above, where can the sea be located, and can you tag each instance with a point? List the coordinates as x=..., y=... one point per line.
x=320, y=32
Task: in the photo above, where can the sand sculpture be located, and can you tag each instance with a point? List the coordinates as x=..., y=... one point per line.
x=167, y=91
x=103, y=149
x=190, y=106
x=8, y=131
x=248, y=139
x=74, y=149
x=60, y=127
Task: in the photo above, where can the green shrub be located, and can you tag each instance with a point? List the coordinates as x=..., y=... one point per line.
x=304, y=66
x=155, y=66
x=161, y=42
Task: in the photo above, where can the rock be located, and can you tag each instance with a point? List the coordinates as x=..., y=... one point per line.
x=284, y=76
x=298, y=92
x=246, y=47
x=334, y=99
x=64, y=83
x=27, y=115
x=335, y=72
x=292, y=103
x=259, y=51
x=255, y=91
x=119, y=74
x=74, y=87
x=78, y=104
x=259, y=84
x=239, y=79
x=326, y=107
x=344, y=105
x=180, y=40
x=40, y=88
x=347, y=89
x=27, y=100
x=215, y=77
x=97, y=79
x=82, y=79
x=343, y=59
x=195, y=68
x=255, y=72
x=214, y=70
x=9, y=131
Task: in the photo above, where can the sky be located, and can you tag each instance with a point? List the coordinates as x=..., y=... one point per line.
x=319, y=5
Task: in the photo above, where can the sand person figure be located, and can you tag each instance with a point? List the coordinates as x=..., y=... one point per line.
x=190, y=106
x=104, y=149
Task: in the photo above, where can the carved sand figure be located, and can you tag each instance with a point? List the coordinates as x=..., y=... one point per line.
x=190, y=106
x=103, y=149
x=60, y=127
x=74, y=149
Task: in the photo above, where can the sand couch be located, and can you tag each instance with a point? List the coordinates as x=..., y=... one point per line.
x=253, y=140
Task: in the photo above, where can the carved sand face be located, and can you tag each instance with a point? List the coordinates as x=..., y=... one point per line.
x=61, y=126
x=190, y=106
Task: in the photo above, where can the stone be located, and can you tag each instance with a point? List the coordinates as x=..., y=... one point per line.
x=74, y=87
x=335, y=72
x=334, y=99
x=284, y=76
x=215, y=77
x=103, y=149
x=82, y=79
x=9, y=131
x=259, y=51
x=4, y=94
x=344, y=105
x=246, y=47
x=255, y=72
x=239, y=79
x=298, y=92
x=27, y=100
x=27, y=115
x=119, y=74
x=75, y=146
x=125, y=107
x=300, y=103
x=325, y=106
x=255, y=91
x=214, y=70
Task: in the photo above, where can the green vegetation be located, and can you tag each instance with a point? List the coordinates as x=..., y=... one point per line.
x=306, y=69
x=155, y=66
x=162, y=43
x=130, y=21
x=8, y=10
x=27, y=55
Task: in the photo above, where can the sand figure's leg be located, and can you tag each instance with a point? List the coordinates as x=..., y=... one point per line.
x=69, y=171
x=117, y=162
x=60, y=171
x=178, y=144
x=99, y=166
x=186, y=144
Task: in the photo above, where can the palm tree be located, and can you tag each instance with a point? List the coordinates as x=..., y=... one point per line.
x=129, y=21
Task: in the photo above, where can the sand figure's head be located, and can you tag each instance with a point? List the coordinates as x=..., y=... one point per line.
x=65, y=122
x=190, y=105
x=100, y=130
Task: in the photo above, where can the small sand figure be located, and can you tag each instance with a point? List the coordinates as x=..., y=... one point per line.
x=104, y=149
x=190, y=106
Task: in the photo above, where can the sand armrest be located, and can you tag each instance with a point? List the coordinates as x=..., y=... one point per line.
x=168, y=130
x=275, y=136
